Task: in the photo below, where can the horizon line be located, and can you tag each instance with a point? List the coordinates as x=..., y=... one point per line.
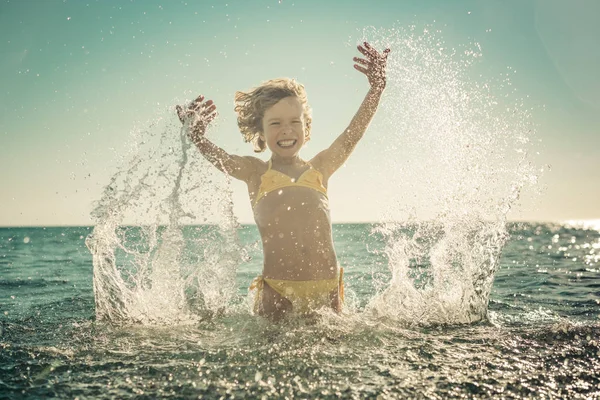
x=590, y=221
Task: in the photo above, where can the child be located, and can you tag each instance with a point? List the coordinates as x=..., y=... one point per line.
x=288, y=194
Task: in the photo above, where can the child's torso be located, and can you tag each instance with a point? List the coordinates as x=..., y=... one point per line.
x=292, y=215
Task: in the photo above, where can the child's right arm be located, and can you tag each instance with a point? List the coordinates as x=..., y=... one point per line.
x=239, y=167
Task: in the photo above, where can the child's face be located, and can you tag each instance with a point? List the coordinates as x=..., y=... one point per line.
x=283, y=127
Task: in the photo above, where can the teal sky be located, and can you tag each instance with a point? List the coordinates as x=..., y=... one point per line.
x=77, y=76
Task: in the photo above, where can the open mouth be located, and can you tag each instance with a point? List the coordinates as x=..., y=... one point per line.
x=286, y=143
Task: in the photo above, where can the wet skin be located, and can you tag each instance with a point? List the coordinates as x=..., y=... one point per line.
x=294, y=222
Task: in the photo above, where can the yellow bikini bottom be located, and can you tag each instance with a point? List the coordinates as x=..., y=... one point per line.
x=305, y=296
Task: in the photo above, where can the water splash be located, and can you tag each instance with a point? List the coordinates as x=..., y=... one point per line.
x=150, y=265
x=465, y=157
x=459, y=147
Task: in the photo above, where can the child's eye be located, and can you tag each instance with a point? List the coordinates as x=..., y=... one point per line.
x=274, y=123
x=297, y=122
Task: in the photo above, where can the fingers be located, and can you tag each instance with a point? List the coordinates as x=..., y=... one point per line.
x=183, y=114
x=197, y=104
x=200, y=125
x=368, y=50
x=366, y=64
x=204, y=110
x=207, y=111
x=362, y=61
x=368, y=46
x=365, y=51
x=208, y=119
x=374, y=65
x=371, y=49
x=386, y=52
x=371, y=53
x=361, y=69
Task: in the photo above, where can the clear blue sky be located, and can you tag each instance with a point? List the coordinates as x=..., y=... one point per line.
x=78, y=76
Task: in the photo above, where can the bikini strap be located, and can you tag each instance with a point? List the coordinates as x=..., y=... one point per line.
x=270, y=164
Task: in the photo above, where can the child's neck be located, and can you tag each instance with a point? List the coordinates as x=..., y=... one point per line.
x=278, y=160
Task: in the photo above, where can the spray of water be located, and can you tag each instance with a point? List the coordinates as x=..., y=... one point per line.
x=458, y=148
x=151, y=265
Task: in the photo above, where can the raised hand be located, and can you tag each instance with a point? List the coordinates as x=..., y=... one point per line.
x=374, y=66
x=198, y=114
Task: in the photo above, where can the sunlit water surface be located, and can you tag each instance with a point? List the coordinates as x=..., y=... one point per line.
x=540, y=336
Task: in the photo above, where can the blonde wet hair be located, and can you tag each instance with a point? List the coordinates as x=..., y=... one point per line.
x=251, y=106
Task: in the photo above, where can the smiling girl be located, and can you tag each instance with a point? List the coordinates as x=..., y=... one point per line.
x=289, y=194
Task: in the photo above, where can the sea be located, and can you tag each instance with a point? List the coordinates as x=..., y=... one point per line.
x=537, y=335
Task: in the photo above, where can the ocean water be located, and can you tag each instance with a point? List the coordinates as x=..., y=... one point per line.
x=538, y=337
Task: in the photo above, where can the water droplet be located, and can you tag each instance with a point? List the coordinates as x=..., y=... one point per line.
x=26, y=239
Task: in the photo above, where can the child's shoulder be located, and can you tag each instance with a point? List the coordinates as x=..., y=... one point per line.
x=257, y=164
x=317, y=161
x=255, y=160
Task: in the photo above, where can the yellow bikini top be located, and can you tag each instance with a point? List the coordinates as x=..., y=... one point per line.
x=273, y=180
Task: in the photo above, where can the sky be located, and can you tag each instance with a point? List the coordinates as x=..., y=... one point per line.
x=76, y=77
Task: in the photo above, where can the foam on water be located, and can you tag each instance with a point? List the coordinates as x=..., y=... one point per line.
x=145, y=271
x=457, y=146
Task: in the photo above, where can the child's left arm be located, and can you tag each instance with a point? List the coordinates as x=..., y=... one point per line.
x=373, y=67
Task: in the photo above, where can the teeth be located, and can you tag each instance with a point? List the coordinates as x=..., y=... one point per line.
x=286, y=143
